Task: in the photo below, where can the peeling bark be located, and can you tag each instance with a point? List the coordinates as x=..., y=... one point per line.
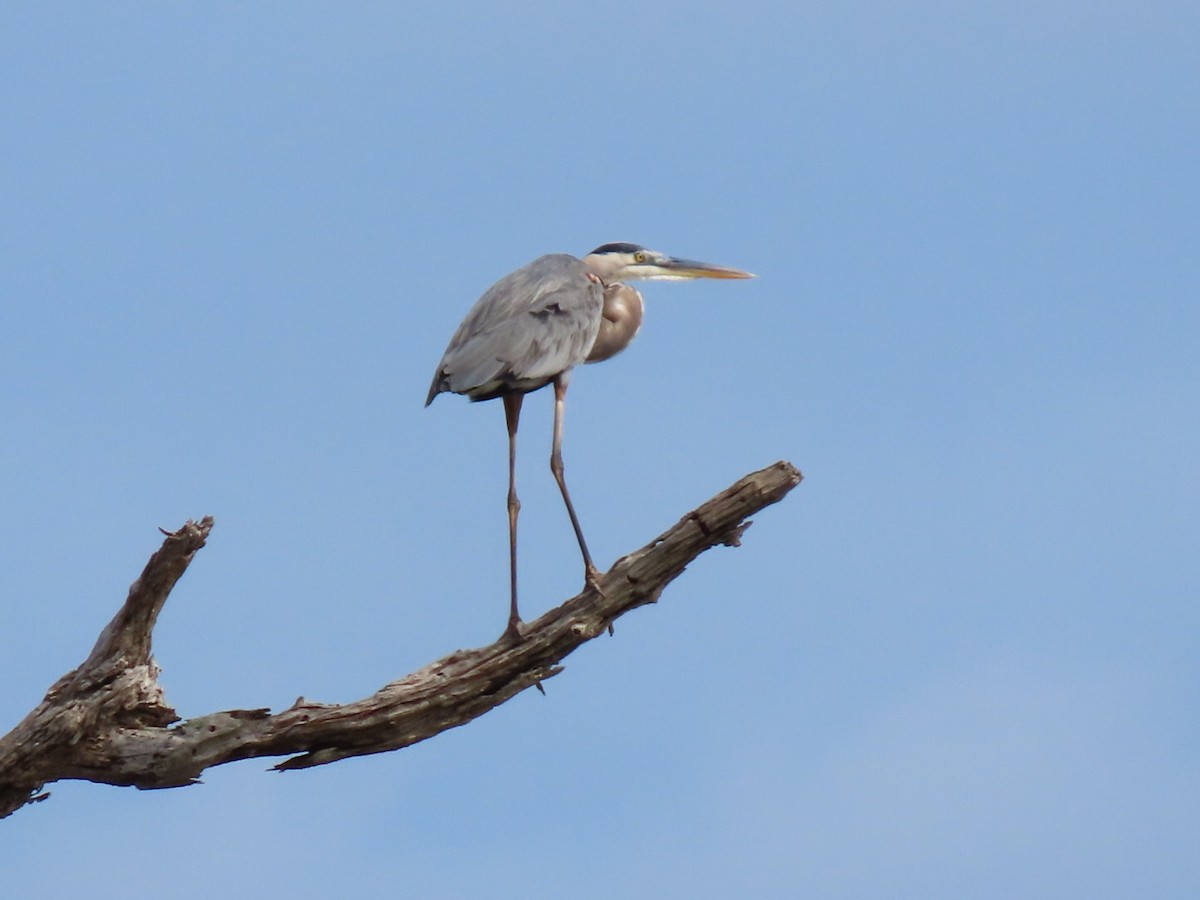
x=108, y=720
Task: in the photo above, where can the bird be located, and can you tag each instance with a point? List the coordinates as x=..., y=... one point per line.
x=532, y=328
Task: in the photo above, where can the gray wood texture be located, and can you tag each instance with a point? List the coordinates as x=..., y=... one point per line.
x=108, y=720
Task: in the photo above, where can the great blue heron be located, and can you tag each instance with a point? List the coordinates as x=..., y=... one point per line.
x=531, y=328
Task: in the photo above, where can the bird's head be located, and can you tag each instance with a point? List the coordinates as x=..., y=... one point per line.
x=632, y=262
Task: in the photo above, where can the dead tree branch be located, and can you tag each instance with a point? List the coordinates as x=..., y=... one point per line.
x=108, y=721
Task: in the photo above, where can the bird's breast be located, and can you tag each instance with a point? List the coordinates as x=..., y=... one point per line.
x=621, y=319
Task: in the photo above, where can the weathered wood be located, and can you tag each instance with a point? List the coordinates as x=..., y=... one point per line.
x=108, y=721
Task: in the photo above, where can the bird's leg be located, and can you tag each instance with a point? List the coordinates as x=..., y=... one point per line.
x=591, y=574
x=512, y=416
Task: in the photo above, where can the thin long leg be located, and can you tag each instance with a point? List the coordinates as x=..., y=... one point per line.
x=512, y=416
x=591, y=574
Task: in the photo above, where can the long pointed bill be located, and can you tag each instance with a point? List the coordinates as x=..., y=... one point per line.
x=672, y=267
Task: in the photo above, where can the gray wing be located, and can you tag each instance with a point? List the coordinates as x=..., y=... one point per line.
x=527, y=328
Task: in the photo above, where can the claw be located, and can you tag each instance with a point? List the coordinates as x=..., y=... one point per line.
x=591, y=579
x=515, y=630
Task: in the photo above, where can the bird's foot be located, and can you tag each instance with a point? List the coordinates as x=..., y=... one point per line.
x=515, y=630
x=591, y=579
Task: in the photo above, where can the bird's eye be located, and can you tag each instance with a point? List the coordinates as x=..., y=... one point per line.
x=639, y=257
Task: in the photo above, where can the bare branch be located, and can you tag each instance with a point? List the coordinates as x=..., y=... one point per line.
x=108, y=721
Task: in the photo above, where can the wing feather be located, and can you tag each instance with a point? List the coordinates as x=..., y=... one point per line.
x=527, y=328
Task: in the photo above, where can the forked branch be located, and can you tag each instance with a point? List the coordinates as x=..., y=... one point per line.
x=108, y=721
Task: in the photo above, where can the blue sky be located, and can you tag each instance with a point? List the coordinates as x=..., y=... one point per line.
x=959, y=660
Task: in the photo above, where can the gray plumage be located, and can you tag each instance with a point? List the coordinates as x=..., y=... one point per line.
x=528, y=327
x=532, y=328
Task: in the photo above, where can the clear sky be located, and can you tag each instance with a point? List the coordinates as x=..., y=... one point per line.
x=961, y=660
